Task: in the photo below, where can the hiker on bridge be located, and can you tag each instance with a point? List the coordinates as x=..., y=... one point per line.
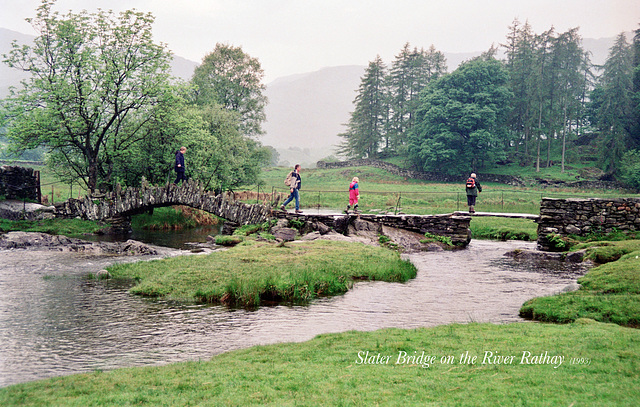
x=179, y=165
x=354, y=195
x=473, y=188
x=294, y=181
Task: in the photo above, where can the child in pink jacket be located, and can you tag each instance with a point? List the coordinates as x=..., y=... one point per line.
x=354, y=194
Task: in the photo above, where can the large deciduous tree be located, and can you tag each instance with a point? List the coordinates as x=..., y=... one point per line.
x=461, y=123
x=231, y=78
x=96, y=81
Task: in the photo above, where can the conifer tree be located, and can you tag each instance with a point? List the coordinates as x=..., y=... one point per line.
x=366, y=127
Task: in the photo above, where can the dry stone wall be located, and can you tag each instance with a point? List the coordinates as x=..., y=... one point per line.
x=581, y=217
x=19, y=183
x=452, y=226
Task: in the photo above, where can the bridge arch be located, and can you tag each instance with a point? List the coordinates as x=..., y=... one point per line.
x=119, y=205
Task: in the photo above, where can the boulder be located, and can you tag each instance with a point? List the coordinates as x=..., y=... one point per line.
x=285, y=234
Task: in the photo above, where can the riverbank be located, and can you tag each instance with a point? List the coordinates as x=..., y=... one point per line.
x=609, y=292
x=585, y=363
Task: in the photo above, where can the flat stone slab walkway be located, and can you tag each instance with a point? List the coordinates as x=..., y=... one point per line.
x=500, y=215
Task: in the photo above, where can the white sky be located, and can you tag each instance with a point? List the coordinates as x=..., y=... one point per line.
x=298, y=36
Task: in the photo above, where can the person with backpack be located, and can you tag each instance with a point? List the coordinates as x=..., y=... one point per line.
x=354, y=195
x=294, y=182
x=473, y=188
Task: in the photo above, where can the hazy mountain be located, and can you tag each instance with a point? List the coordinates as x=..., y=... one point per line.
x=306, y=111
x=309, y=111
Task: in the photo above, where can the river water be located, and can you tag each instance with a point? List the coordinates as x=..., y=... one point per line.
x=54, y=321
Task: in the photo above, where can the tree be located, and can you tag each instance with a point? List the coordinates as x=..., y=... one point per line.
x=95, y=78
x=520, y=51
x=231, y=78
x=461, y=123
x=410, y=72
x=366, y=127
x=220, y=157
x=613, y=98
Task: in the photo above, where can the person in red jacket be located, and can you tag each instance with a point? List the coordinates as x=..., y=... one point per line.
x=354, y=195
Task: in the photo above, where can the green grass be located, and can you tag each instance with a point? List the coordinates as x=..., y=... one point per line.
x=382, y=191
x=172, y=217
x=253, y=272
x=600, y=366
x=485, y=227
x=67, y=227
x=608, y=293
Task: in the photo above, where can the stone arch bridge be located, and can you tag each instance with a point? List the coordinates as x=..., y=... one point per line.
x=118, y=206
x=561, y=217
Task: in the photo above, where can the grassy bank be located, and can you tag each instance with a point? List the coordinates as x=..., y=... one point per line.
x=608, y=293
x=254, y=272
x=172, y=218
x=593, y=364
x=67, y=227
x=484, y=227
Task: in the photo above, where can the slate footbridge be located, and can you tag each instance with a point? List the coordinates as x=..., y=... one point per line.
x=558, y=217
x=118, y=206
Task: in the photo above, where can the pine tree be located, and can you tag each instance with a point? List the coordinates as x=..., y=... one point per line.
x=615, y=104
x=366, y=127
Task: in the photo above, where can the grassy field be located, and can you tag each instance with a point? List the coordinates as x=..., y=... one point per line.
x=521, y=364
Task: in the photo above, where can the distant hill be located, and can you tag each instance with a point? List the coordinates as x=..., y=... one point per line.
x=306, y=111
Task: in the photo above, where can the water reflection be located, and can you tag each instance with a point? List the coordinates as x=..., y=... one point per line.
x=177, y=239
x=53, y=321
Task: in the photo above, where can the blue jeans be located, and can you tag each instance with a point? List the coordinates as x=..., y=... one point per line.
x=295, y=194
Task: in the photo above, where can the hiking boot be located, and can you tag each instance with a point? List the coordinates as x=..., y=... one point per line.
x=298, y=211
x=282, y=208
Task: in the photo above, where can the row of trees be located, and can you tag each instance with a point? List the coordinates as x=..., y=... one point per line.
x=101, y=101
x=387, y=100
x=545, y=96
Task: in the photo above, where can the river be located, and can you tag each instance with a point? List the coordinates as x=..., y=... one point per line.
x=54, y=321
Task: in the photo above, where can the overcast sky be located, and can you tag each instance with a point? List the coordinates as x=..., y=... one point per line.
x=298, y=36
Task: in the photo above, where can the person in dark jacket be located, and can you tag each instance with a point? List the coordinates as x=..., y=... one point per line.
x=179, y=166
x=295, y=186
x=473, y=188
